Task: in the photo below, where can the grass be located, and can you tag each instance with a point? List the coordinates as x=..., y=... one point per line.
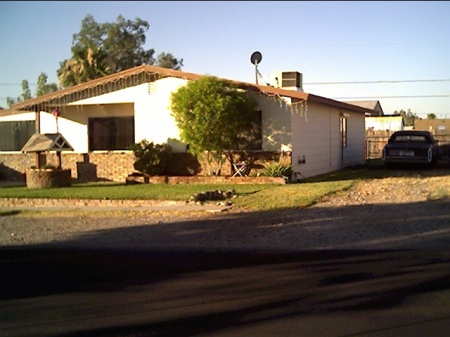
x=250, y=196
x=293, y=195
x=118, y=191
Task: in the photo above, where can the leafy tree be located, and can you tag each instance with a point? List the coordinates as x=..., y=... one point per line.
x=42, y=89
x=408, y=117
x=167, y=60
x=11, y=101
x=213, y=116
x=100, y=49
x=26, y=94
x=431, y=116
x=42, y=86
x=82, y=67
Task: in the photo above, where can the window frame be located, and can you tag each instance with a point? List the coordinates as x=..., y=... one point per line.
x=111, y=133
x=343, y=130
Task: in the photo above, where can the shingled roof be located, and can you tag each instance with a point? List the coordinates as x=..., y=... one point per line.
x=145, y=74
x=371, y=105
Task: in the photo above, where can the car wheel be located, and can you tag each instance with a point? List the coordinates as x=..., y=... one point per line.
x=390, y=165
x=434, y=161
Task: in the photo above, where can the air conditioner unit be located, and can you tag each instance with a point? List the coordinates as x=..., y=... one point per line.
x=290, y=80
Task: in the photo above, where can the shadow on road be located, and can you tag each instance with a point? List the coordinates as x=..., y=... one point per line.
x=184, y=278
x=206, y=291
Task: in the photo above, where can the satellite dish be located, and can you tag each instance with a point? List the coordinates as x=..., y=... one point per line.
x=256, y=58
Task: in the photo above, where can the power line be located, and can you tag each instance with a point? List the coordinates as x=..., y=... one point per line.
x=374, y=97
x=378, y=82
x=378, y=97
x=322, y=83
x=17, y=84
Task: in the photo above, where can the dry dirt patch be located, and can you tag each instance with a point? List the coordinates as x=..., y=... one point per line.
x=400, y=189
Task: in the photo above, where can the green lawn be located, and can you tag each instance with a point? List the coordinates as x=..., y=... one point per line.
x=120, y=191
x=252, y=196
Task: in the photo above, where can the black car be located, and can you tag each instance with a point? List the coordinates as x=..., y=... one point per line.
x=411, y=147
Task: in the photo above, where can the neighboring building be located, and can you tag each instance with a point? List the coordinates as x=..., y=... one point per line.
x=101, y=118
x=435, y=126
x=440, y=128
x=374, y=107
x=385, y=123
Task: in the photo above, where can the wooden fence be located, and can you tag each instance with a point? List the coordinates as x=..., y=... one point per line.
x=376, y=140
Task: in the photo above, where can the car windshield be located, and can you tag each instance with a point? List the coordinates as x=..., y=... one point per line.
x=407, y=138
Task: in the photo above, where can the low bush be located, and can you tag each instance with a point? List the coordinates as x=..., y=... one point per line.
x=152, y=159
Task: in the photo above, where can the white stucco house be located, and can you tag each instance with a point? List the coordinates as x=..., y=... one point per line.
x=385, y=123
x=106, y=115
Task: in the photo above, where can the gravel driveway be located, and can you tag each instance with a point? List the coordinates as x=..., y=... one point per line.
x=408, y=211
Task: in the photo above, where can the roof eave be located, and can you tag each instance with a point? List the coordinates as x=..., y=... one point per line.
x=338, y=104
x=35, y=103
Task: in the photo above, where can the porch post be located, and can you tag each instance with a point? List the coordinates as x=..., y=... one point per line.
x=37, y=129
x=37, y=120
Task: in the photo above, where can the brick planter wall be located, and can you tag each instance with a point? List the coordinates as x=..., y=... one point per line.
x=108, y=166
x=117, y=166
x=48, y=178
x=215, y=180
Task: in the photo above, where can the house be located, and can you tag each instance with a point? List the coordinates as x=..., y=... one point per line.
x=376, y=120
x=435, y=126
x=385, y=123
x=440, y=128
x=374, y=107
x=101, y=118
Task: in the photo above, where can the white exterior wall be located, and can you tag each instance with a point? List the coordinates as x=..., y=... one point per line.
x=148, y=103
x=71, y=130
x=312, y=132
x=26, y=116
x=152, y=117
x=316, y=138
x=276, y=124
x=384, y=123
x=73, y=121
x=355, y=153
x=153, y=120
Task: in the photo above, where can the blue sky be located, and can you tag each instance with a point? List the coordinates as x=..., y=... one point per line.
x=355, y=41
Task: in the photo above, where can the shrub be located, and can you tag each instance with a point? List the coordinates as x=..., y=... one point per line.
x=277, y=170
x=152, y=159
